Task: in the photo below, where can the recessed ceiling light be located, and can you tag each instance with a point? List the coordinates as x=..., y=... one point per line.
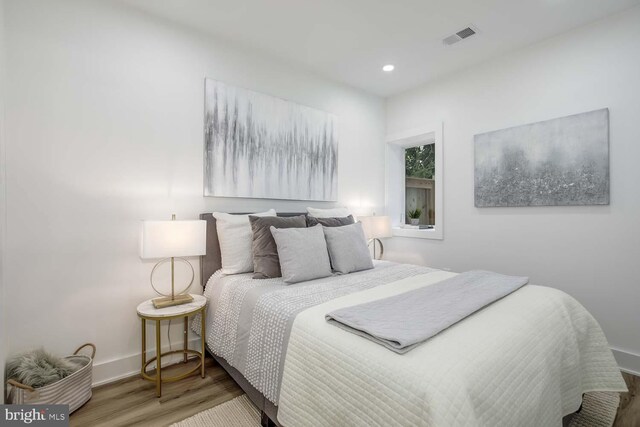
x=388, y=68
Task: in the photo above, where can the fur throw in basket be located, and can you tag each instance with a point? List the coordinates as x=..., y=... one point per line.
x=37, y=368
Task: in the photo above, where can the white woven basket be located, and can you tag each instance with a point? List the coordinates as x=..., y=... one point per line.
x=74, y=390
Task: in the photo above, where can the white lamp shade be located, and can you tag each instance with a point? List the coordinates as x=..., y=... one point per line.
x=376, y=227
x=163, y=239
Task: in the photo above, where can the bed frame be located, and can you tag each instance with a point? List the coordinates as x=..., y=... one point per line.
x=209, y=264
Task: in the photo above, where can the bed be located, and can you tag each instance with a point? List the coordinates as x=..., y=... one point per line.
x=526, y=359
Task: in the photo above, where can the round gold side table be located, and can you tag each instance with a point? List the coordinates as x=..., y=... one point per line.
x=146, y=311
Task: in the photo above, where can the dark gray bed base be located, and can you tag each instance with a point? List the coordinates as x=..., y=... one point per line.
x=269, y=411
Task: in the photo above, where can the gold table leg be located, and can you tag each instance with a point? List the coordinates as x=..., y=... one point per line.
x=203, y=336
x=158, y=361
x=144, y=346
x=186, y=336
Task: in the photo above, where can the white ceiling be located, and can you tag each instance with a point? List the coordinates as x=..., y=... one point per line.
x=350, y=40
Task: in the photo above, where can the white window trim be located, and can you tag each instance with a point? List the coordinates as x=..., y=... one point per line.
x=396, y=143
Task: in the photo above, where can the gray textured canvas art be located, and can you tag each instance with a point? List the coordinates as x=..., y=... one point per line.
x=260, y=146
x=557, y=162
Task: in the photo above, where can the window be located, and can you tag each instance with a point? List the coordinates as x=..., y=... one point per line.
x=419, y=192
x=414, y=190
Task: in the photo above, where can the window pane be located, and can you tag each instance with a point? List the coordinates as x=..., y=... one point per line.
x=420, y=166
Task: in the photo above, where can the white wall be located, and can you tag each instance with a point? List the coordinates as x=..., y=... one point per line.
x=3, y=320
x=105, y=128
x=591, y=252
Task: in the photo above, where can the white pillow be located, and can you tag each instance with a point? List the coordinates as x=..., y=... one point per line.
x=234, y=234
x=328, y=213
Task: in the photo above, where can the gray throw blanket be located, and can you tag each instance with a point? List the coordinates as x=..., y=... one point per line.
x=404, y=321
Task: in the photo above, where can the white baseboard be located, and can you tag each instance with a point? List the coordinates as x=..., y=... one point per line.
x=627, y=361
x=127, y=366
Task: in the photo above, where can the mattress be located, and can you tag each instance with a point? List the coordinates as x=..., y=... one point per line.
x=524, y=360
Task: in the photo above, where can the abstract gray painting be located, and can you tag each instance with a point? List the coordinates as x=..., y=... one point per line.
x=557, y=162
x=260, y=146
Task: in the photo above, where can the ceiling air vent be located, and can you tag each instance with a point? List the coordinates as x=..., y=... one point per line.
x=460, y=35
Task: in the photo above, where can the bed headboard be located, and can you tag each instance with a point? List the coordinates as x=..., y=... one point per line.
x=212, y=260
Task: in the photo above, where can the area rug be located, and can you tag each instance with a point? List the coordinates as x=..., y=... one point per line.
x=598, y=410
x=238, y=412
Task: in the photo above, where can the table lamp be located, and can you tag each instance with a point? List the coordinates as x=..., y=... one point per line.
x=170, y=240
x=375, y=228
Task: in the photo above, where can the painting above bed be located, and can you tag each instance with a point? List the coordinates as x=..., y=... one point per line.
x=260, y=146
x=559, y=162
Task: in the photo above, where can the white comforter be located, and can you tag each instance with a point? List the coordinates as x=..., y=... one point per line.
x=525, y=360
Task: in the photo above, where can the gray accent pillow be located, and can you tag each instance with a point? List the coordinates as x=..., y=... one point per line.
x=329, y=222
x=348, y=249
x=302, y=252
x=265, y=252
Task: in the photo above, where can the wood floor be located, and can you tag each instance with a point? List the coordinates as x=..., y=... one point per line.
x=132, y=401
x=629, y=409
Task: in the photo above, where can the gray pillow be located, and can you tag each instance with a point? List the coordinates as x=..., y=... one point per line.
x=348, y=248
x=329, y=222
x=302, y=252
x=265, y=253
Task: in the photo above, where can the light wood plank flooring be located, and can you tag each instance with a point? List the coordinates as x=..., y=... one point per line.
x=132, y=401
x=629, y=409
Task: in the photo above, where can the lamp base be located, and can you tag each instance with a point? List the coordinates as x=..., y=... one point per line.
x=169, y=302
x=374, y=240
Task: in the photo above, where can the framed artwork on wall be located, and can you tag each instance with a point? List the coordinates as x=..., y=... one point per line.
x=559, y=162
x=261, y=146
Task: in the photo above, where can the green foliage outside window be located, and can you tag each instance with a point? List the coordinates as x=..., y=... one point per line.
x=420, y=162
